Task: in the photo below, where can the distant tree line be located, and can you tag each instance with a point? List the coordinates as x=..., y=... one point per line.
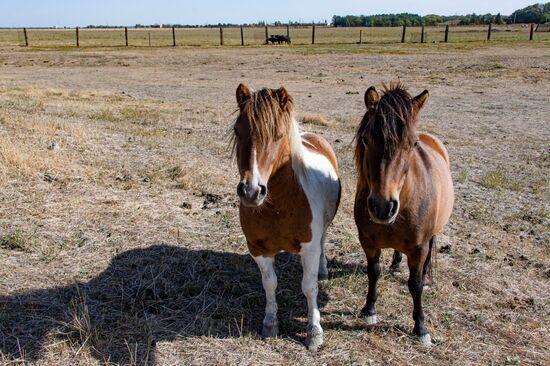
x=227, y=25
x=537, y=13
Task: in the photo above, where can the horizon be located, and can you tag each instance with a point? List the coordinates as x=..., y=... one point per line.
x=65, y=13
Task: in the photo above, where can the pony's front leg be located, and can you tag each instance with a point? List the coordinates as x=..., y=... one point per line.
x=416, y=266
x=310, y=255
x=270, y=325
x=373, y=271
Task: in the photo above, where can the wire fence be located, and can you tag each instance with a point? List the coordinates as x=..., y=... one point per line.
x=251, y=36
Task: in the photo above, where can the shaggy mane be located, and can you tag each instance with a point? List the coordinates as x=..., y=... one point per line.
x=392, y=128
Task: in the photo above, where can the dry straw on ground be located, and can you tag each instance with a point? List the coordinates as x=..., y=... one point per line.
x=119, y=233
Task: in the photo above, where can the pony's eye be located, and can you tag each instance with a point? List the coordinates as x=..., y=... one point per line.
x=278, y=137
x=416, y=143
x=364, y=141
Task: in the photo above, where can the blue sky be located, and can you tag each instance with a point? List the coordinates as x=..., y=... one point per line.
x=32, y=13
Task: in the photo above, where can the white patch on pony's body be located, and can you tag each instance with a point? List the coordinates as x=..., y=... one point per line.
x=320, y=183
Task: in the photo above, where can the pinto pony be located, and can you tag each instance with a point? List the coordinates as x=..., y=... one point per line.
x=289, y=192
x=404, y=192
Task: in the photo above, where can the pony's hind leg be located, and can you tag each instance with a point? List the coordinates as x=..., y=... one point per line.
x=416, y=262
x=396, y=262
x=323, y=263
x=270, y=324
x=427, y=275
x=310, y=255
x=373, y=271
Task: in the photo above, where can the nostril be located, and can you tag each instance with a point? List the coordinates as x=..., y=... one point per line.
x=240, y=189
x=263, y=190
x=394, y=206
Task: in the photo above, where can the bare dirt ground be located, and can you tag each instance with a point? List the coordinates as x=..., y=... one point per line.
x=119, y=233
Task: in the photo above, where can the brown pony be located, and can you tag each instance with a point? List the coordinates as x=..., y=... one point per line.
x=404, y=192
x=289, y=191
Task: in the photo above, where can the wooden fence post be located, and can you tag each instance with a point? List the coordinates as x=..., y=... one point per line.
x=173, y=37
x=446, y=33
x=242, y=36
x=422, y=35
x=221, y=36
x=531, y=32
x=288, y=30
x=266, y=35
x=126, y=35
x=403, y=35
x=313, y=35
x=489, y=31
x=360, y=36
x=77, y=40
x=149, y=36
x=26, y=39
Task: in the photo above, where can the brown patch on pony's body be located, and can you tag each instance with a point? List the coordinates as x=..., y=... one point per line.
x=283, y=222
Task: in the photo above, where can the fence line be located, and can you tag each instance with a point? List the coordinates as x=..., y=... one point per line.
x=242, y=35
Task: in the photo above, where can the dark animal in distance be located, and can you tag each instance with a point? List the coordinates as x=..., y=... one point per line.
x=279, y=39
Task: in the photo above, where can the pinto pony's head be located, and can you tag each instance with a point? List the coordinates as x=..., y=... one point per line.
x=261, y=129
x=385, y=143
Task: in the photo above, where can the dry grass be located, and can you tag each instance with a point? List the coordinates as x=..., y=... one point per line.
x=499, y=180
x=316, y=119
x=123, y=245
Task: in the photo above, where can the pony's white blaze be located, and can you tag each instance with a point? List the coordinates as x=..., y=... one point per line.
x=256, y=178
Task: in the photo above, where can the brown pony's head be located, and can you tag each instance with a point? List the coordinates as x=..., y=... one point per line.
x=261, y=129
x=385, y=143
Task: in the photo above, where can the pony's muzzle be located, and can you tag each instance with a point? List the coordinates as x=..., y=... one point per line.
x=251, y=194
x=381, y=210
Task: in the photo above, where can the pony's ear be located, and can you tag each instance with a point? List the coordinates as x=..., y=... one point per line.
x=243, y=94
x=283, y=96
x=420, y=99
x=371, y=98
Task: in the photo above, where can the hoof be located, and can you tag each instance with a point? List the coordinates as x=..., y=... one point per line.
x=425, y=340
x=371, y=319
x=270, y=331
x=322, y=276
x=314, y=338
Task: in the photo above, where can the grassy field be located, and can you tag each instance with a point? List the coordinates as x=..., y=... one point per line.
x=256, y=36
x=119, y=234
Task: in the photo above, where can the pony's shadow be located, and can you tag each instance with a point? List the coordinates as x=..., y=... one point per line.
x=155, y=294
